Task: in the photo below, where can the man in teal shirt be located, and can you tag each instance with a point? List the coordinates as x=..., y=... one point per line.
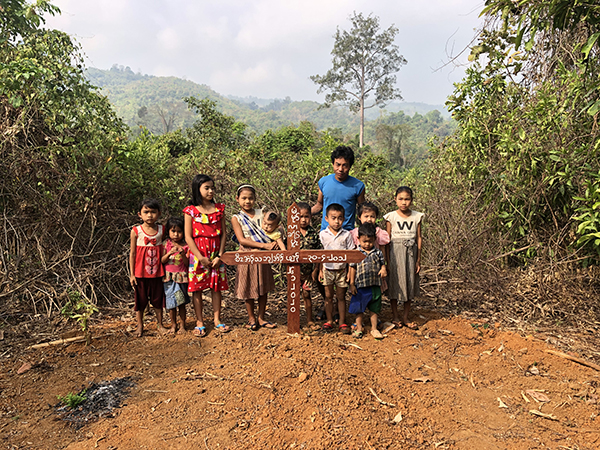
x=340, y=187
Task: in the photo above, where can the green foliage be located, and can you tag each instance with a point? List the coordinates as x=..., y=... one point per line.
x=80, y=308
x=72, y=400
x=20, y=19
x=61, y=145
x=365, y=61
x=212, y=128
x=523, y=149
x=403, y=139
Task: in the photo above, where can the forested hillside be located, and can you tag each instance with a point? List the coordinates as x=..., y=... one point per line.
x=157, y=104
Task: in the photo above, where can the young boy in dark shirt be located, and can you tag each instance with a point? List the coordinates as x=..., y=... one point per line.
x=365, y=281
x=309, y=273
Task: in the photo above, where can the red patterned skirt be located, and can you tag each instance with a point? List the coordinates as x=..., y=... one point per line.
x=201, y=278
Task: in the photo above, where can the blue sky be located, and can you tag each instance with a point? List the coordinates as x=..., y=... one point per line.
x=268, y=48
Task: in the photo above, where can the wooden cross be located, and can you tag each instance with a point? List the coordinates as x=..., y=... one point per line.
x=293, y=257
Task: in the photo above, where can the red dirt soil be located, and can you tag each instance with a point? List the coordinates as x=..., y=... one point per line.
x=453, y=384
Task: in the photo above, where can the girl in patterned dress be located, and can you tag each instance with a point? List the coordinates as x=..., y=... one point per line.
x=252, y=281
x=175, y=282
x=404, y=228
x=205, y=235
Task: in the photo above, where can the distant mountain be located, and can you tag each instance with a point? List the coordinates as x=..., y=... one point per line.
x=157, y=104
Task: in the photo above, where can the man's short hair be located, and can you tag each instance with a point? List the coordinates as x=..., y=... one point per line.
x=343, y=151
x=335, y=207
x=368, y=230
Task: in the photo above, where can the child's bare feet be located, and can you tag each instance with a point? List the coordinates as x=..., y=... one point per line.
x=171, y=330
x=312, y=326
x=411, y=325
x=181, y=329
x=139, y=332
x=161, y=329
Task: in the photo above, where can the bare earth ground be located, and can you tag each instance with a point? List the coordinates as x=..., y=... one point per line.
x=456, y=383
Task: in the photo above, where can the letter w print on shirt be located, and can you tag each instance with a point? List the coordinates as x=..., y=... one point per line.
x=402, y=225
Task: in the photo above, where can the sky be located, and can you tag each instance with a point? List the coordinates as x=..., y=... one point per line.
x=269, y=48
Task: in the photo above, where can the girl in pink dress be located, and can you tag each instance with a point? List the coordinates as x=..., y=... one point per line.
x=205, y=236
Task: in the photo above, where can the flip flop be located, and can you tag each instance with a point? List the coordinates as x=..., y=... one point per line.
x=327, y=327
x=199, y=331
x=345, y=329
x=357, y=334
x=222, y=328
x=253, y=326
x=376, y=334
x=269, y=325
x=387, y=327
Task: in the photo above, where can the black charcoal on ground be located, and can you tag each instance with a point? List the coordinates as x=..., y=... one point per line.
x=101, y=399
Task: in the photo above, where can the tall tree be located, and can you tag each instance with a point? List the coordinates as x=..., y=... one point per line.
x=365, y=61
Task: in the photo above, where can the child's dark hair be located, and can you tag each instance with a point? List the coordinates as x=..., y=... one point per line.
x=368, y=230
x=406, y=189
x=366, y=206
x=174, y=222
x=198, y=181
x=243, y=187
x=272, y=216
x=343, y=151
x=335, y=207
x=150, y=203
x=303, y=206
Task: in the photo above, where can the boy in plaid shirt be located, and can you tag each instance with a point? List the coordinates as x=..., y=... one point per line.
x=365, y=281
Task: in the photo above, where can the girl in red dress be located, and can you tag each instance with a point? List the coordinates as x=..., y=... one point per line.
x=205, y=236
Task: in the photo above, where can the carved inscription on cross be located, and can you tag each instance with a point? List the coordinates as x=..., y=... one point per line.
x=293, y=257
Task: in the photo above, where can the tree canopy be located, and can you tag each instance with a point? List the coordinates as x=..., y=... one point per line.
x=365, y=61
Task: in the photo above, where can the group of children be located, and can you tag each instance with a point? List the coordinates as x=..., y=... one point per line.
x=166, y=270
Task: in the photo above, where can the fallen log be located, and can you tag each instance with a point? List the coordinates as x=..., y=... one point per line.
x=64, y=341
x=581, y=361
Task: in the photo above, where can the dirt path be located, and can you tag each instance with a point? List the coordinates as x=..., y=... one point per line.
x=455, y=383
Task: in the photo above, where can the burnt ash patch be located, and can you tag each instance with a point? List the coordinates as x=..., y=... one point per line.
x=101, y=401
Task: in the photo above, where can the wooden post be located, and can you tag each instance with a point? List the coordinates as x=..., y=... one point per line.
x=293, y=257
x=294, y=284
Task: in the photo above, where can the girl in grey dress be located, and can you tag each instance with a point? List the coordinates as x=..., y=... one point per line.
x=404, y=228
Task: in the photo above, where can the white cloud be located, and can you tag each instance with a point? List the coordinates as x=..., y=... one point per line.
x=266, y=48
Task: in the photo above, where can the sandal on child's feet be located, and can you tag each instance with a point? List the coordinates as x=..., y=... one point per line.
x=222, y=328
x=200, y=331
x=387, y=327
x=345, y=329
x=327, y=327
x=376, y=334
x=357, y=334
